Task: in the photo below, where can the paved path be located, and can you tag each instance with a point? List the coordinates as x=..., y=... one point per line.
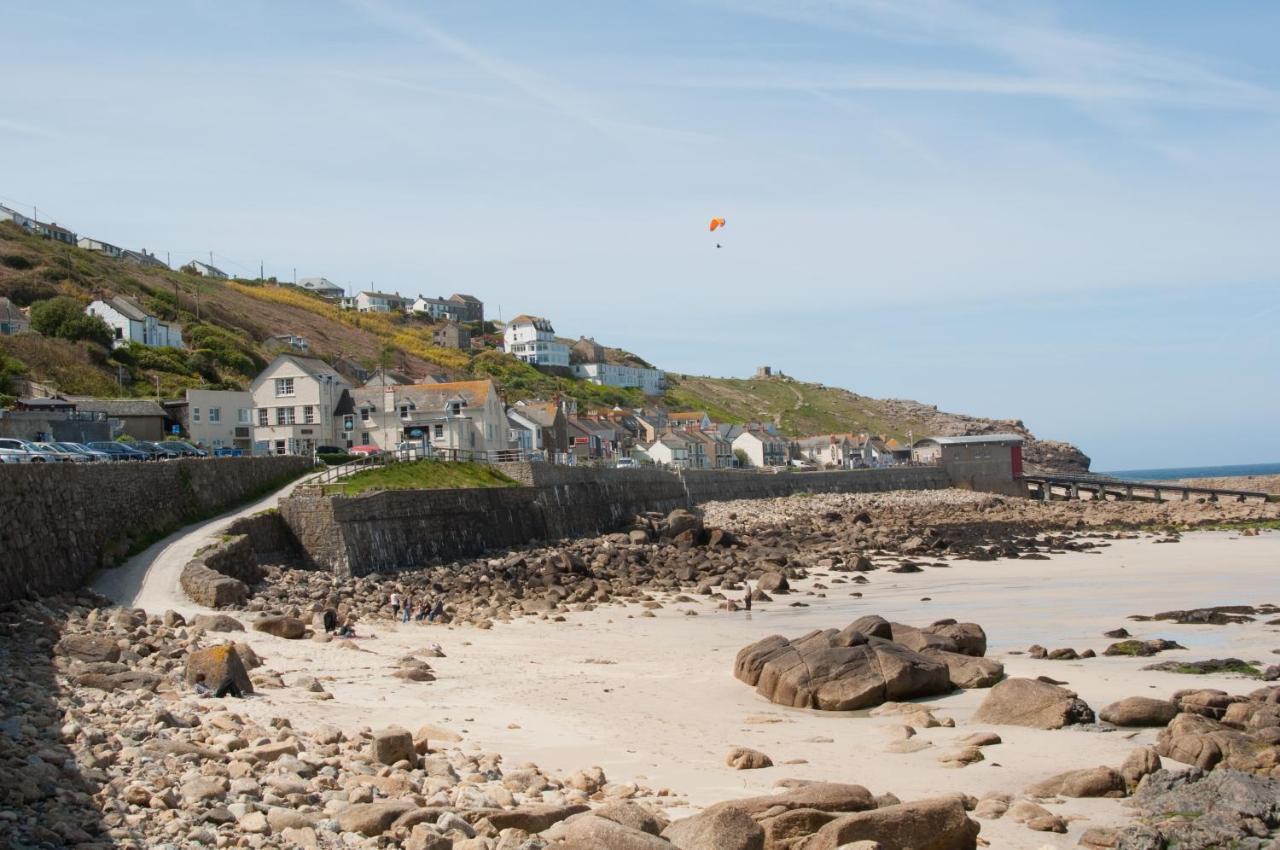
x=149, y=580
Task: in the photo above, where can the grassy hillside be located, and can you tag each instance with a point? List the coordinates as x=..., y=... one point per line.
x=798, y=408
x=227, y=326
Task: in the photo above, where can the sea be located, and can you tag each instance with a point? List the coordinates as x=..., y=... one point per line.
x=1173, y=474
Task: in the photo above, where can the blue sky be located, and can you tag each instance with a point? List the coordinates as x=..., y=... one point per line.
x=1065, y=212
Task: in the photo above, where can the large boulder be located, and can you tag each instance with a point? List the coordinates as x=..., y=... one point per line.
x=722, y=829
x=1208, y=743
x=371, y=819
x=588, y=832
x=216, y=623
x=89, y=648
x=217, y=664
x=937, y=824
x=290, y=628
x=1030, y=702
x=1139, y=711
x=968, y=671
x=969, y=638
x=822, y=670
x=821, y=796
x=745, y=758
x=1087, y=782
x=392, y=745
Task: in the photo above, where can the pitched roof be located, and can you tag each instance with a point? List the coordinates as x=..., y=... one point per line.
x=470, y=299
x=118, y=407
x=313, y=366
x=542, y=412
x=432, y=396
x=9, y=310
x=387, y=295
x=977, y=438
x=128, y=308
x=688, y=416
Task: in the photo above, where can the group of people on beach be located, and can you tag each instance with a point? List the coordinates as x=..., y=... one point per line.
x=403, y=609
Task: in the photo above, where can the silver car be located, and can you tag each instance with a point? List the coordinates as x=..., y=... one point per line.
x=58, y=454
x=84, y=451
x=14, y=456
x=34, y=455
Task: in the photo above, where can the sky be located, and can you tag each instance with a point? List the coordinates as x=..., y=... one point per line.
x=1062, y=212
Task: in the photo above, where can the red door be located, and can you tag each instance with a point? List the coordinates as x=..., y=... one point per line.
x=1017, y=461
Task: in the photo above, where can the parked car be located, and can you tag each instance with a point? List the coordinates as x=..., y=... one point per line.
x=89, y=454
x=120, y=451
x=14, y=456
x=34, y=455
x=364, y=450
x=330, y=450
x=185, y=449
x=626, y=463
x=164, y=451
x=228, y=451
x=60, y=454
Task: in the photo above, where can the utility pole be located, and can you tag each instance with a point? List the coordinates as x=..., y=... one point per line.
x=261, y=276
x=210, y=258
x=295, y=275
x=168, y=262
x=157, y=377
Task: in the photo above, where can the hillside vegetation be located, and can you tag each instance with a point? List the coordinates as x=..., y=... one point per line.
x=798, y=408
x=227, y=326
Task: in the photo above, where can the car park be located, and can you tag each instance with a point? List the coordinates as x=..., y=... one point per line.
x=33, y=454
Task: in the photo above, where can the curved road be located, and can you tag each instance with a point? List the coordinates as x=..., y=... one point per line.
x=149, y=579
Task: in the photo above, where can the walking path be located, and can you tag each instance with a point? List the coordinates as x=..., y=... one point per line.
x=149, y=579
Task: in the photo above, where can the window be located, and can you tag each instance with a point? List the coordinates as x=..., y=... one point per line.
x=284, y=416
x=280, y=447
x=262, y=416
x=195, y=414
x=404, y=411
x=439, y=432
x=364, y=438
x=215, y=414
x=309, y=414
x=284, y=387
x=364, y=414
x=243, y=416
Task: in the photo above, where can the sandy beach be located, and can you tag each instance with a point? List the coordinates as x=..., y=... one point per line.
x=652, y=700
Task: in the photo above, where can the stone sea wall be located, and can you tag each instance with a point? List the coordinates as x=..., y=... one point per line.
x=60, y=522
x=380, y=532
x=377, y=532
x=707, y=485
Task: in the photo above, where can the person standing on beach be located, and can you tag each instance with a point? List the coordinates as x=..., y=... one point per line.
x=395, y=605
x=408, y=608
x=437, y=611
x=746, y=600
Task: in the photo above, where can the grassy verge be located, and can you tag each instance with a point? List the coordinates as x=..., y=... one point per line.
x=420, y=475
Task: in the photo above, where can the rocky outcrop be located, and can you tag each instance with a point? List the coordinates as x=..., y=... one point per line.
x=1139, y=711
x=939, y=824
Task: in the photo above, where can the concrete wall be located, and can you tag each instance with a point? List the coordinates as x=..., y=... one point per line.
x=28, y=425
x=380, y=532
x=704, y=485
x=60, y=522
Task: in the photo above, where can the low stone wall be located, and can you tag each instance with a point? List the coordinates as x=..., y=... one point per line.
x=378, y=532
x=722, y=485
x=272, y=541
x=60, y=522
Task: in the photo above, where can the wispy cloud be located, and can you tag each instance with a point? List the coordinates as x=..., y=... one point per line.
x=1050, y=61
x=538, y=88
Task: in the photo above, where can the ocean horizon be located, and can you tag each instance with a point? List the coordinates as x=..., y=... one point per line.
x=1174, y=473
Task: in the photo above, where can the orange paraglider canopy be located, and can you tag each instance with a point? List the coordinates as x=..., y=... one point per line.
x=716, y=223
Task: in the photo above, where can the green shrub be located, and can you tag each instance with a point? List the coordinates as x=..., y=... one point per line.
x=65, y=318
x=335, y=459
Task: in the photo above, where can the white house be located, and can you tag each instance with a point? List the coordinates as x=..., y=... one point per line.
x=98, y=246
x=438, y=308
x=296, y=403
x=205, y=270
x=8, y=214
x=533, y=340
x=672, y=449
x=131, y=323
x=323, y=287
x=381, y=302
x=762, y=448
x=217, y=419
x=459, y=418
x=651, y=381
